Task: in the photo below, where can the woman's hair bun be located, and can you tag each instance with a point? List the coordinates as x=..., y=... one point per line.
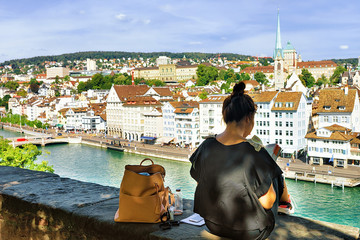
x=239, y=88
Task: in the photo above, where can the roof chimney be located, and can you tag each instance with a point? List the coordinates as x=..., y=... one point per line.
x=346, y=89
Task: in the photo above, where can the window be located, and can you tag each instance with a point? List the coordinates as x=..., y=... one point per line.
x=287, y=133
x=291, y=142
x=326, y=118
x=280, y=124
x=291, y=124
x=291, y=133
x=287, y=124
x=287, y=142
x=276, y=132
x=276, y=123
x=280, y=132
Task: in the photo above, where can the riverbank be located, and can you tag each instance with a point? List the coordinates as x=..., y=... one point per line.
x=42, y=205
x=297, y=170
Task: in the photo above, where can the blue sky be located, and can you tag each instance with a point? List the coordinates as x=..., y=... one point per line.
x=318, y=29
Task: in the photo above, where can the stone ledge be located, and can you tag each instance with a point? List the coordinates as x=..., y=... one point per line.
x=37, y=205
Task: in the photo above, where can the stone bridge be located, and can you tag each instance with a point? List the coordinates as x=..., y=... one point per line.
x=41, y=141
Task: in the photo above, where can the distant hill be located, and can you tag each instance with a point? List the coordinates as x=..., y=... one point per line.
x=352, y=61
x=118, y=55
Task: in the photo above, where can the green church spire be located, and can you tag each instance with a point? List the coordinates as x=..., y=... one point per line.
x=278, y=52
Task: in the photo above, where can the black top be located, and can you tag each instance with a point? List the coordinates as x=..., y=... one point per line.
x=231, y=179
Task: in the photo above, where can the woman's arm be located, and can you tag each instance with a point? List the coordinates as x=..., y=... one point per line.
x=268, y=199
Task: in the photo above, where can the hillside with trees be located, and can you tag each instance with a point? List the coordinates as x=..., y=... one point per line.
x=119, y=55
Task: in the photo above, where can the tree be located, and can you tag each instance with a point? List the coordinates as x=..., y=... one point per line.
x=22, y=93
x=335, y=78
x=203, y=95
x=24, y=157
x=306, y=78
x=34, y=87
x=67, y=78
x=322, y=80
x=12, y=85
x=5, y=101
x=244, y=76
x=206, y=74
x=57, y=93
x=260, y=78
x=82, y=87
x=243, y=66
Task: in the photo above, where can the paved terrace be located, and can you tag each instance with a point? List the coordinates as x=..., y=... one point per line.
x=38, y=205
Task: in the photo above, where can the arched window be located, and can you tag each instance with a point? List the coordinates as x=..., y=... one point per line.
x=279, y=66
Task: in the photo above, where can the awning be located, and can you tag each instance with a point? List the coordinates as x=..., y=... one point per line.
x=59, y=125
x=164, y=140
x=148, y=138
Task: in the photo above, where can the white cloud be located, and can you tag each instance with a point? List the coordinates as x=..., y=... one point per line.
x=146, y=21
x=121, y=16
x=82, y=12
x=195, y=43
x=343, y=47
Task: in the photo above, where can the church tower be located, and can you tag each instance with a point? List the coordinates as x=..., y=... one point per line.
x=278, y=59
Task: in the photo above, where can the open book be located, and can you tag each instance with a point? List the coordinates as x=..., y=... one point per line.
x=274, y=150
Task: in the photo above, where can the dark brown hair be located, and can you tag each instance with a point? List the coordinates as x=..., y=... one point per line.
x=238, y=105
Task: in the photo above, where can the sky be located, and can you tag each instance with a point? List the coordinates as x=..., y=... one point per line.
x=318, y=29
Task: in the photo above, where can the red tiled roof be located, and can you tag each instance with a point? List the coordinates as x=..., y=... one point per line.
x=263, y=69
x=126, y=91
x=316, y=64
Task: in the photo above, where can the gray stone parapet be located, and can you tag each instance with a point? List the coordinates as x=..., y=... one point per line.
x=38, y=205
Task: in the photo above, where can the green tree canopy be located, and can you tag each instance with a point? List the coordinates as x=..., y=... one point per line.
x=203, y=95
x=335, y=78
x=261, y=78
x=306, y=78
x=24, y=157
x=206, y=74
x=244, y=76
x=22, y=93
x=12, y=85
x=322, y=80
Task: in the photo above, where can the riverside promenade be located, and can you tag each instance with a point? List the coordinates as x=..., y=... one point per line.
x=297, y=170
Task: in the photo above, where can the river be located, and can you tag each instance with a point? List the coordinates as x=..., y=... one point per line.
x=106, y=167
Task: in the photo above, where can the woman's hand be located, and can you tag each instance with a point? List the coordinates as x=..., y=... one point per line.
x=268, y=199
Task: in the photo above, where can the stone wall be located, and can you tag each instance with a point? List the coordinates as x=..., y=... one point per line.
x=37, y=205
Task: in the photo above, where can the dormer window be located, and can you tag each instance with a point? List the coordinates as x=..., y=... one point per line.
x=341, y=107
x=337, y=100
x=327, y=107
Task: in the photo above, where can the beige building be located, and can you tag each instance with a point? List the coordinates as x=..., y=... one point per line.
x=317, y=68
x=167, y=72
x=57, y=71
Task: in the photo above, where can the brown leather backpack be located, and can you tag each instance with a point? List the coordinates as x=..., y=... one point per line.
x=143, y=197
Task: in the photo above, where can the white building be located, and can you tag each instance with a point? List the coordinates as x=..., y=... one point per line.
x=135, y=110
x=333, y=145
x=211, y=119
x=90, y=65
x=281, y=118
x=93, y=123
x=264, y=118
x=114, y=109
x=187, y=129
x=163, y=60
x=339, y=106
x=294, y=84
x=74, y=118
x=168, y=110
x=153, y=124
